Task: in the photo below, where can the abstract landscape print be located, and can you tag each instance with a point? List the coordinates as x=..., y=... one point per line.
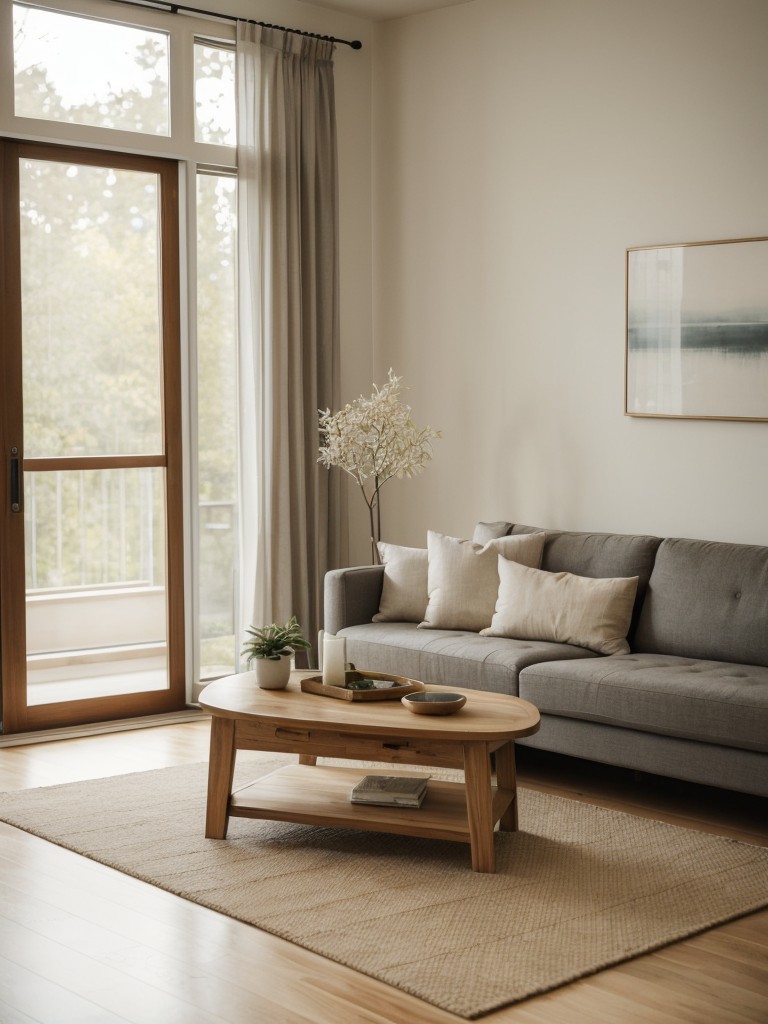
x=697, y=330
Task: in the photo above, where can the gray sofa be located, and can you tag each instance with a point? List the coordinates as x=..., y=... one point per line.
x=690, y=700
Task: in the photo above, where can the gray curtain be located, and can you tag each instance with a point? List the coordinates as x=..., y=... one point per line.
x=288, y=322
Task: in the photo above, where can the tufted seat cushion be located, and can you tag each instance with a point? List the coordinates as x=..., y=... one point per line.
x=710, y=701
x=449, y=657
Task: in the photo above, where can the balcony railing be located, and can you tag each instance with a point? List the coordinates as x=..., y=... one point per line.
x=106, y=588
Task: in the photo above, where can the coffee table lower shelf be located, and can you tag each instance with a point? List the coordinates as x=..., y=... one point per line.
x=319, y=795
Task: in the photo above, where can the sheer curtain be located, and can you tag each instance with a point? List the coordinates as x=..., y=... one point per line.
x=288, y=322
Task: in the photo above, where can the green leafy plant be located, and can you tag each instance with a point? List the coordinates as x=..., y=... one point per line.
x=274, y=642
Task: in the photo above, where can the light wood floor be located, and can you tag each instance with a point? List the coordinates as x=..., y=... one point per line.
x=83, y=944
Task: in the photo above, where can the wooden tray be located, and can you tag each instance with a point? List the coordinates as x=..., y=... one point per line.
x=314, y=684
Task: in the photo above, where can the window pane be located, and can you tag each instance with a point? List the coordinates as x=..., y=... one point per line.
x=95, y=565
x=217, y=422
x=75, y=69
x=95, y=528
x=214, y=95
x=90, y=310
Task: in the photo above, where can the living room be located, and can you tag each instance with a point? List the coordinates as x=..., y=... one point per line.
x=497, y=158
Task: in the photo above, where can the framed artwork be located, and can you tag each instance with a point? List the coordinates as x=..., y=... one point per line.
x=697, y=330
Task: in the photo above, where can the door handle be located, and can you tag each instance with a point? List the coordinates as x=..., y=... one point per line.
x=15, y=481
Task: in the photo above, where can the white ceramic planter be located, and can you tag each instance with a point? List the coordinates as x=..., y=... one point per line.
x=272, y=675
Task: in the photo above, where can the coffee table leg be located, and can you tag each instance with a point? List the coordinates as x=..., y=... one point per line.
x=221, y=768
x=506, y=778
x=477, y=782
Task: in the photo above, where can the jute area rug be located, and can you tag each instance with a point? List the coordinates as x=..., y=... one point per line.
x=577, y=889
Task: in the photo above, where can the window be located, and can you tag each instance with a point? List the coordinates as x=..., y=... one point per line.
x=214, y=94
x=89, y=231
x=217, y=422
x=136, y=80
x=123, y=82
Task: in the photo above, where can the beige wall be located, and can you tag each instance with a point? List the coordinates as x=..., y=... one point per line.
x=519, y=147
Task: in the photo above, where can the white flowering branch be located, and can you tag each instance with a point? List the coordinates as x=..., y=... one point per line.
x=374, y=439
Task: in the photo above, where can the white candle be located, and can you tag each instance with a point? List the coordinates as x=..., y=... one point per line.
x=320, y=636
x=334, y=660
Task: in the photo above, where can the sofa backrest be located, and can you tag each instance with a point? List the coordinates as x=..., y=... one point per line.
x=600, y=556
x=707, y=599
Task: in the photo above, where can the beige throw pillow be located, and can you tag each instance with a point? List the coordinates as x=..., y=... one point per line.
x=404, y=589
x=561, y=607
x=463, y=577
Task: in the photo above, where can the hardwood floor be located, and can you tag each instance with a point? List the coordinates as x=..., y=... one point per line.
x=83, y=944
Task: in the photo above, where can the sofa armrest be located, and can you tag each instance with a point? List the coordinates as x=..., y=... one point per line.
x=352, y=596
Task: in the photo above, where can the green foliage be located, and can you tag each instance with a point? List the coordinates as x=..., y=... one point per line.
x=216, y=339
x=274, y=642
x=92, y=354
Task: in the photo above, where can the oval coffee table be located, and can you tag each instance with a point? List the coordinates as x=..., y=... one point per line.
x=247, y=718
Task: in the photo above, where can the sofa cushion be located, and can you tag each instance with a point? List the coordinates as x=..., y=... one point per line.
x=490, y=531
x=709, y=701
x=707, y=599
x=404, y=589
x=568, y=609
x=463, y=577
x=600, y=555
x=448, y=657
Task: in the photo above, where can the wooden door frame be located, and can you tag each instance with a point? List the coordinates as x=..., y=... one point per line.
x=13, y=622
x=17, y=715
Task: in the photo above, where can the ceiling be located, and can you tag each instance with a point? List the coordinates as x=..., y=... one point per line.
x=381, y=10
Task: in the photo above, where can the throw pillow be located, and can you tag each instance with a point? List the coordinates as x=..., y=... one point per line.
x=463, y=577
x=404, y=588
x=563, y=608
x=490, y=531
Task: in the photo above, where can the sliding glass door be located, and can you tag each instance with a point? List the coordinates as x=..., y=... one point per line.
x=91, y=579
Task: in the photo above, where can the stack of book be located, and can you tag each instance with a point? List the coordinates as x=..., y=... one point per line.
x=391, y=790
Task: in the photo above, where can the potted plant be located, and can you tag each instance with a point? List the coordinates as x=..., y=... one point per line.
x=271, y=648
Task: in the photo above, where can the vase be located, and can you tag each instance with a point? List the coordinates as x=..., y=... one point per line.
x=273, y=675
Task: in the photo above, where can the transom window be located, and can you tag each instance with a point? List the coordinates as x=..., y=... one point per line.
x=214, y=94
x=121, y=82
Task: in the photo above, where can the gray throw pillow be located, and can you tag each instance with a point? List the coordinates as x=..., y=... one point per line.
x=490, y=531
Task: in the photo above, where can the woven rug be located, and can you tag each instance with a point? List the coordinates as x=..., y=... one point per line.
x=577, y=889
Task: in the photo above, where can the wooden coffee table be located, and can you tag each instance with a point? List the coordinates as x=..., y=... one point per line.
x=247, y=718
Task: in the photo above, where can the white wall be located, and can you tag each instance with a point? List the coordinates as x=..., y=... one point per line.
x=520, y=146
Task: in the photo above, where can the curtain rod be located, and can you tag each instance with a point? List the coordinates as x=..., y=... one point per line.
x=176, y=8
